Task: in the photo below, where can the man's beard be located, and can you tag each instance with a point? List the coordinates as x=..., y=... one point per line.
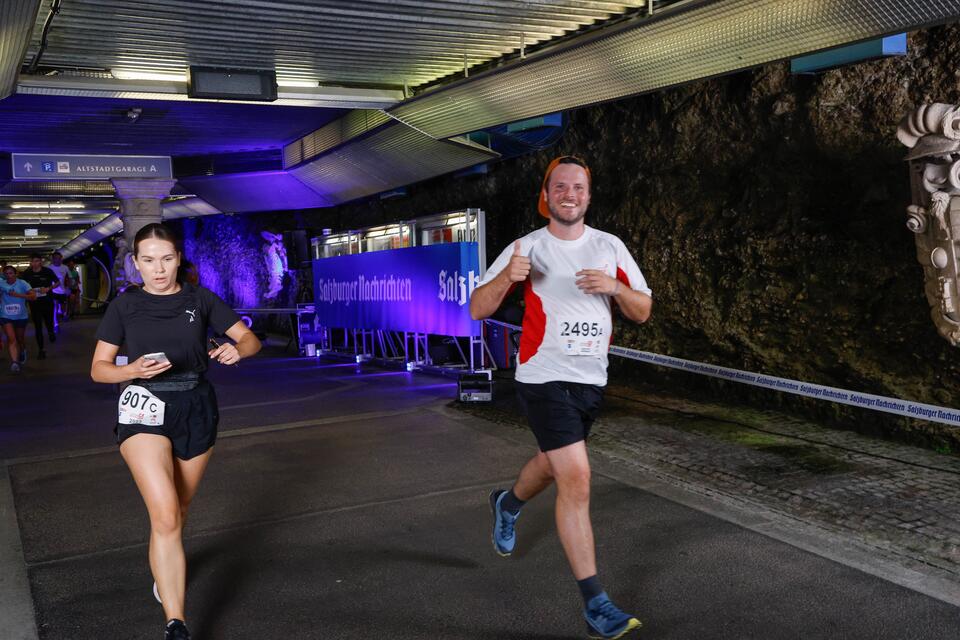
x=565, y=221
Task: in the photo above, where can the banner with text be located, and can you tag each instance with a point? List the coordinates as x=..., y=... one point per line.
x=908, y=408
x=418, y=289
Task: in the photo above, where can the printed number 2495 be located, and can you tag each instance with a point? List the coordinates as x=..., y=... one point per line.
x=580, y=329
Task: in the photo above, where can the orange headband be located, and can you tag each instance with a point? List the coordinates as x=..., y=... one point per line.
x=542, y=200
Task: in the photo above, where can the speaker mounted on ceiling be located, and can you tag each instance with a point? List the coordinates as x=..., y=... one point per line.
x=215, y=83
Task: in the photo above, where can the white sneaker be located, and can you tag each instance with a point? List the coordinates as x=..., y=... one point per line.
x=156, y=593
x=15, y=367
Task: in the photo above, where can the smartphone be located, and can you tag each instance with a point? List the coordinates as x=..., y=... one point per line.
x=159, y=356
x=216, y=345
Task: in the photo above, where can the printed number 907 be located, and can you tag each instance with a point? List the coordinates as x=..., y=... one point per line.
x=137, y=401
x=580, y=329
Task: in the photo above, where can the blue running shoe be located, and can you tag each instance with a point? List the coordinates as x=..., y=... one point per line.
x=504, y=536
x=606, y=621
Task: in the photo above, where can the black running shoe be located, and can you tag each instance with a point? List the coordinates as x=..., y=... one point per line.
x=176, y=630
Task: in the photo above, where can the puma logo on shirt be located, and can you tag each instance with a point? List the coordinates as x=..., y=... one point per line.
x=192, y=314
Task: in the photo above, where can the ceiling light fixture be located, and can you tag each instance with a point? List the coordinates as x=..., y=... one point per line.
x=291, y=82
x=47, y=205
x=30, y=217
x=138, y=74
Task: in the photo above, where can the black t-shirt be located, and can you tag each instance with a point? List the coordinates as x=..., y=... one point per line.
x=43, y=278
x=175, y=324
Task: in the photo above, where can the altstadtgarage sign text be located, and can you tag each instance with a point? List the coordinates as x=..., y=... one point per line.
x=40, y=166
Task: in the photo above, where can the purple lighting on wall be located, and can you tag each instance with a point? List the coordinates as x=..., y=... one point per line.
x=228, y=259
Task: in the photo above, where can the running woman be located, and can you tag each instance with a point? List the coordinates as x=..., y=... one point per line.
x=571, y=274
x=167, y=417
x=14, y=294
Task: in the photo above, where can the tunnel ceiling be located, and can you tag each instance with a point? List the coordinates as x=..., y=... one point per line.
x=68, y=124
x=365, y=42
x=403, y=62
x=74, y=90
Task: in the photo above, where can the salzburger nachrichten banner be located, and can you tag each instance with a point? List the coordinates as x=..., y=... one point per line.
x=424, y=289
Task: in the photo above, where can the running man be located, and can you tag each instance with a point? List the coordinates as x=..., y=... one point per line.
x=43, y=281
x=61, y=291
x=570, y=273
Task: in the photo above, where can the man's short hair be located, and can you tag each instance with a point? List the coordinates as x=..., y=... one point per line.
x=35, y=255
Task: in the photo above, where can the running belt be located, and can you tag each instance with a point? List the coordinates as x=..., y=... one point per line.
x=172, y=382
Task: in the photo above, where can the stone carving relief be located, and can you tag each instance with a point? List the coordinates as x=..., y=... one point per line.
x=275, y=257
x=125, y=273
x=932, y=132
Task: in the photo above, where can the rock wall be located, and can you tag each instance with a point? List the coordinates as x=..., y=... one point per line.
x=767, y=213
x=231, y=259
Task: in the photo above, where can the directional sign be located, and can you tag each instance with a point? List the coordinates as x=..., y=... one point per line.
x=58, y=166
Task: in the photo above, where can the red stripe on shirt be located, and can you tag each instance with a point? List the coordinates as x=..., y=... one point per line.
x=534, y=323
x=622, y=277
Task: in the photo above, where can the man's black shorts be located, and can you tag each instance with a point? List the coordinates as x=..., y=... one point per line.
x=190, y=421
x=560, y=413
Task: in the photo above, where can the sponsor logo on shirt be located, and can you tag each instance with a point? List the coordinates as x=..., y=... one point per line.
x=192, y=314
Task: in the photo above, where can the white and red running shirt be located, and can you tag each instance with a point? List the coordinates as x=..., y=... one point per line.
x=566, y=332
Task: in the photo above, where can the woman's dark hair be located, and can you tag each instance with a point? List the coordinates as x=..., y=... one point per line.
x=158, y=231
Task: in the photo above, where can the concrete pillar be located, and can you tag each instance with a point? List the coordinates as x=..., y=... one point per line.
x=140, y=200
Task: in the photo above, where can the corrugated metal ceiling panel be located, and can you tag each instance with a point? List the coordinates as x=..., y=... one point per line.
x=367, y=41
x=391, y=157
x=698, y=40
x=337, y=132
x=16, y=23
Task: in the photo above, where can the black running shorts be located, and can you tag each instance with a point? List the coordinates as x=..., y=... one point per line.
x=189, y=421
x=560, y=413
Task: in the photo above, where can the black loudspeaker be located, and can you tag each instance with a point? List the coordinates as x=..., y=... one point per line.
x=298, y=248
x=231, y=84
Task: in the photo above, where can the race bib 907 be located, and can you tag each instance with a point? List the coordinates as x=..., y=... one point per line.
x=580, y=336
x=139, y=406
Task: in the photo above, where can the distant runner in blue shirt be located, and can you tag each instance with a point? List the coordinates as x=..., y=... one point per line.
x=14, y=294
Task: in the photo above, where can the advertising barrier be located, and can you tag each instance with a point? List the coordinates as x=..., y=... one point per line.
x=907, y=408
x=422, y=289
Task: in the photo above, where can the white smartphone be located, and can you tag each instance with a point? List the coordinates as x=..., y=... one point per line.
x=159, y=356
